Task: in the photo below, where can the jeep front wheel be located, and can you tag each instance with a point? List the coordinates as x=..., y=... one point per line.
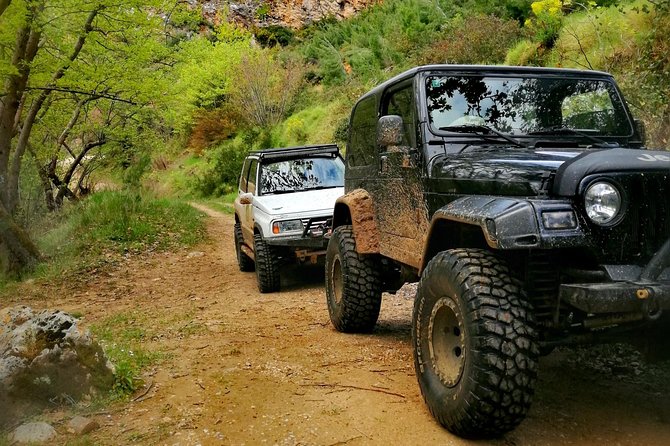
x=243, y=261
x=267, y=266
x=475, y=344
x=353, y=284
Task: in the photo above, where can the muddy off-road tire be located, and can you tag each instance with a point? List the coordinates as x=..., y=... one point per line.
x=353, y=284
x=243, y=261
x=267, y=266
x=475, y=344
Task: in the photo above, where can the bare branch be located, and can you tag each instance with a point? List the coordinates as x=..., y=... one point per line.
x=73, y=120
x=571, y=32
x=92, y=94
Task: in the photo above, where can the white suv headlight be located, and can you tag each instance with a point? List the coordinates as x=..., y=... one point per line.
x=602, y=202
x=279, y=227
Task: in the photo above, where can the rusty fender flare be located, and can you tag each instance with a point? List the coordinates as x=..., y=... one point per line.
x=358, y=204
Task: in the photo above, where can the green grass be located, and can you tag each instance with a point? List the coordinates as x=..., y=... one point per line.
x=113, y=223
x=122, y=337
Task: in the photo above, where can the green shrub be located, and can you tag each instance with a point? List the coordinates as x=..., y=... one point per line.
x=546, y=21
x=315, y=124
x=377, y=38
x=525, y=52
x=480, y=39
x=224, y=165
x=116, y=221
x=211, y=127
x=273, y=35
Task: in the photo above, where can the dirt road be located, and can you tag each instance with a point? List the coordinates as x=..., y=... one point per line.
x=244, y=368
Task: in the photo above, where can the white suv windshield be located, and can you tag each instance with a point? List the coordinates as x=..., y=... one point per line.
x=301, y=174
x=521, y=106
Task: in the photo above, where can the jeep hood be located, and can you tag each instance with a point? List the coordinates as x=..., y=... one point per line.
x=570, y=174
x=508, y=171
x=307, y=202
x=518, y=172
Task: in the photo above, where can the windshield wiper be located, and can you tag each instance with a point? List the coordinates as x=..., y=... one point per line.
x=558, y=130
x=279, y=191
x=482, y=130
x=320, y=187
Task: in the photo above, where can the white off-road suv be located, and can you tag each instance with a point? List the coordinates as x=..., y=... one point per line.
x=284, y=207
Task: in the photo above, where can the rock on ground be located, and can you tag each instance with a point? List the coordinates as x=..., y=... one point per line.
x=45, y=358
x=39, y=432
x=81, y=425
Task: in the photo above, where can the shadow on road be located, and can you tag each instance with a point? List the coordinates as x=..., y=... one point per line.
x=297, y=277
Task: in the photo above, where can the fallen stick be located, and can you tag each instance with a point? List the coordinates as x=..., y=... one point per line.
x=137, y=398
x=345, y=386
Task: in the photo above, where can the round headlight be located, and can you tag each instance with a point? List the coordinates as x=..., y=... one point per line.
x=602, y=202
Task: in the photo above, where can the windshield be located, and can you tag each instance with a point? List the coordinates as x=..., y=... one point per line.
x=521, y=106
x=301, y=174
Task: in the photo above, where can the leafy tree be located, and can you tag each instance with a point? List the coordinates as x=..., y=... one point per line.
x=265, y=88
x=78, y=76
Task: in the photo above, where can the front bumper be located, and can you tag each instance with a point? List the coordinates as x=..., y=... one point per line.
x=617, y=297
x=645, y=291
x=319, y=242
x=312, y=236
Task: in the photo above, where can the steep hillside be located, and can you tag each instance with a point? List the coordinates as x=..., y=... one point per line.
x=291, y=13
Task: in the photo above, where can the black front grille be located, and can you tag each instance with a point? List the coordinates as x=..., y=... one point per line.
x=646, y=222
x=316, y=226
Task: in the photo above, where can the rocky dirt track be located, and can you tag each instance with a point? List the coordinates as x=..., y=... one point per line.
x=245, y=368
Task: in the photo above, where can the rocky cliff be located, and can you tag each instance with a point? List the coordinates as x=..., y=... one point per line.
x=290, y=13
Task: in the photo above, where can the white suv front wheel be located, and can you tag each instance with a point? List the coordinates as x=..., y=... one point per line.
x=267, y=266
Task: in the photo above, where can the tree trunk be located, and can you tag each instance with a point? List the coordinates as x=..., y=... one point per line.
x=3, y=5
x=43, y=173
x=17, y=252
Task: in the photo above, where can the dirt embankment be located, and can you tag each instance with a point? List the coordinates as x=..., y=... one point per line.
x=245, y=368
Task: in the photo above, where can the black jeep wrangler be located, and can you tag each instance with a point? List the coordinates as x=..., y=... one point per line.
x=527, y=205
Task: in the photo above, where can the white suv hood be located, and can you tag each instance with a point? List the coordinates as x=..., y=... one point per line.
x=311, y=201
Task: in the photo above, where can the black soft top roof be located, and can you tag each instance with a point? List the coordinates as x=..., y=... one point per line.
x=298, y=151
x=486, y=69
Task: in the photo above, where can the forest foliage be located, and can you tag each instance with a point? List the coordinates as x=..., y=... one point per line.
x=151, y=94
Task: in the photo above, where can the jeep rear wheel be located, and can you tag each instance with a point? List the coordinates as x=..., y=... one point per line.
x=475, y=344
x=267, y=266
x=243, y=261
x=353, y=284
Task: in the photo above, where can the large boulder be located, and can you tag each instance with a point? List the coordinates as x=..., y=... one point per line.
x=46, y=359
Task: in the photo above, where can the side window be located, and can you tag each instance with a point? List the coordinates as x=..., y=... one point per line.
x=244, y=175
x=591, y=110
x=253, y=170
x=401, y=103
x=363, y=133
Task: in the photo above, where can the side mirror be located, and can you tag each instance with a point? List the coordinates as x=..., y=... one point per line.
x=390, y=131
x=641, y=130
x=246, y=198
